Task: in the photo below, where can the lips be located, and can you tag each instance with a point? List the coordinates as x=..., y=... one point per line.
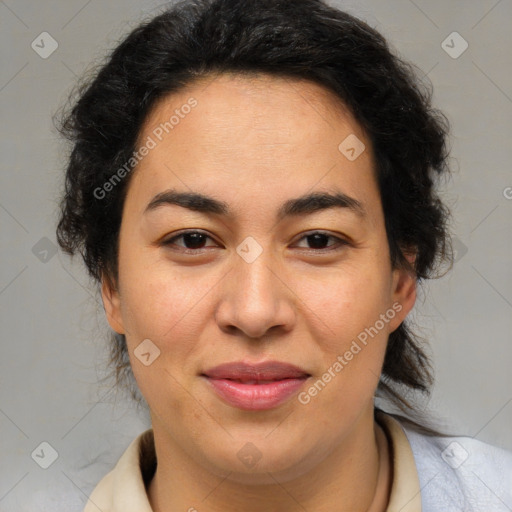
x=261, y=372
x=255, y=386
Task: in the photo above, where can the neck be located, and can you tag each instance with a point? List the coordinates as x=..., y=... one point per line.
x=356, y=476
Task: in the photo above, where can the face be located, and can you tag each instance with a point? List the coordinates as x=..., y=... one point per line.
x=251, y=274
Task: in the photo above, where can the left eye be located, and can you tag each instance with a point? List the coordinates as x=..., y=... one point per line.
x=318, y=240
x=193, y=240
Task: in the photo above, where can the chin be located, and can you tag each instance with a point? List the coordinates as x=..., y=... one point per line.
x=271, y=464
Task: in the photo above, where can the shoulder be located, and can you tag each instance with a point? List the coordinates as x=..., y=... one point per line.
x=101, y=497
x=123, y=489
x=461, y=473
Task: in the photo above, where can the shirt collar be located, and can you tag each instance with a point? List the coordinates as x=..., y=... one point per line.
x=124, y=489
x=405, y=493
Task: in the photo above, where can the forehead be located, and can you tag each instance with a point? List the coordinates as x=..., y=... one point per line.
x=252, y=134
x=255, y=91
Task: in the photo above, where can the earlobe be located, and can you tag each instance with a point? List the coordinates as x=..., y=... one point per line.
x=112, y=305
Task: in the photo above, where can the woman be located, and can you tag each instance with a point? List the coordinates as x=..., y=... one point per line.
x=218, y=146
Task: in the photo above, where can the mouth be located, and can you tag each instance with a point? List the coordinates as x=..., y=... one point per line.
x=255, y=386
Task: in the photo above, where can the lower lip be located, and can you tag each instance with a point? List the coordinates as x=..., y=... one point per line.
x=256, y=397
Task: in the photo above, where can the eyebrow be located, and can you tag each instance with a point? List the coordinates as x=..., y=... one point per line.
x=303, y=205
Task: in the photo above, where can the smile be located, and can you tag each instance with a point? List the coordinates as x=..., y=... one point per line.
x=255, y=387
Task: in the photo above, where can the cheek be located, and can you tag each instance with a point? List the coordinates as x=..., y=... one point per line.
x=350, y=346
x=344, y=305
x=165, y=307
x=351, y=340
x=167, y=310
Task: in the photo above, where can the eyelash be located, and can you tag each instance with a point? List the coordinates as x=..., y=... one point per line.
x=339, y=245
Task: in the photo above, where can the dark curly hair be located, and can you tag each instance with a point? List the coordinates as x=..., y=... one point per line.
x=303, y=39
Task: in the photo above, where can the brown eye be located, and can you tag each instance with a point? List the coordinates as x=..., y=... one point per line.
x=319, y=240
x=192, y=240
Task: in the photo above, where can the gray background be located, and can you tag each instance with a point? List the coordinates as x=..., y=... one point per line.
x=53, y=330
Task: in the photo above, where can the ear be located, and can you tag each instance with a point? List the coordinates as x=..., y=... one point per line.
x=403, y=291
x=112, y=304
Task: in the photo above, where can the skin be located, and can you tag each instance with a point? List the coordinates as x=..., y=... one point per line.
x=255, y=142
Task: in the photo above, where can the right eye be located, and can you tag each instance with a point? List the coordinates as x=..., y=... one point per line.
x=193, y=240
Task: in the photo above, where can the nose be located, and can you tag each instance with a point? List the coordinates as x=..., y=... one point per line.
x=256, y=298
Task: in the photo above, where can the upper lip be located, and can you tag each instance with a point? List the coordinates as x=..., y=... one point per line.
x=268, y=370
